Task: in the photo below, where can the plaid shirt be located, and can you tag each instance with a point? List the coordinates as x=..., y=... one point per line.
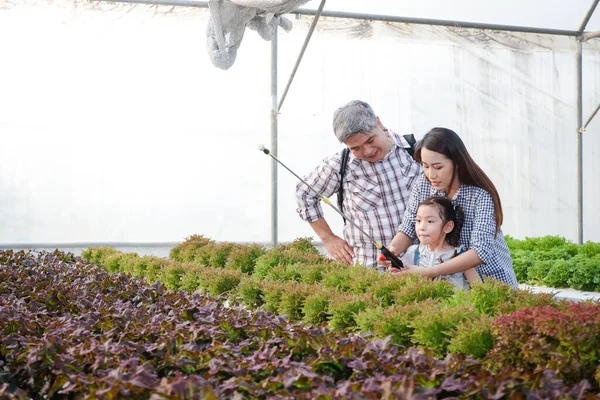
x=479, y=228
x=375, y=196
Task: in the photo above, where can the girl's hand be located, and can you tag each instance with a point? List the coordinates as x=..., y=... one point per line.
x=413, y=269
x=381, y=260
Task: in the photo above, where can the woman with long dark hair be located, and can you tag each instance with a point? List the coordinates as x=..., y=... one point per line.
x=449, y=171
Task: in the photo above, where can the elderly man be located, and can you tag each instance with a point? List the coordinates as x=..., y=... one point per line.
x=376, y=185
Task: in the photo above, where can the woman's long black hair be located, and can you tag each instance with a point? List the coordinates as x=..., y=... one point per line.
x=448, y=143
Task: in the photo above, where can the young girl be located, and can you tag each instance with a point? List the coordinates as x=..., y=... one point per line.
x=438, y=225
x=449, y=171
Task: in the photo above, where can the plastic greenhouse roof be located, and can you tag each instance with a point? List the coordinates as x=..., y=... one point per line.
x=550, y=14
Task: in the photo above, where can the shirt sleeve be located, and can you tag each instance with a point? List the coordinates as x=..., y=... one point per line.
x=484, y=227
x=410, y=213
x=325, y=179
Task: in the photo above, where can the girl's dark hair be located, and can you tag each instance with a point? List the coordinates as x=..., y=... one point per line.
x=448, y=143
x=448, y=212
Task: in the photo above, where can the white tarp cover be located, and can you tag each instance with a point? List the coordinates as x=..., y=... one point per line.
x=230, y=18
x=116, y=127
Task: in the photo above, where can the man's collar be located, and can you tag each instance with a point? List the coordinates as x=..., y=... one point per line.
x=399, y=141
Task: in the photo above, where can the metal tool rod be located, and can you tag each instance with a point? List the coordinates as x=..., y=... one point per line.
x=301, y=55
x=588, y=15
x=274, y=128
x=325, y=199
x=590, y=118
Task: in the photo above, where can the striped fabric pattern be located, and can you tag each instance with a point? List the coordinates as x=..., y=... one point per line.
x=375, y=196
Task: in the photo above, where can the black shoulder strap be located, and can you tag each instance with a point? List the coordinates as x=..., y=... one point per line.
x=346, y=154
x=340, y=193
x=411, y=141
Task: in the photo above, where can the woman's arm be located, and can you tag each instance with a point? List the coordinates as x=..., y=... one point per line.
x=471, y=276
x=483, y=232
x=467, y=260
x=407, y=226
x=400, y=243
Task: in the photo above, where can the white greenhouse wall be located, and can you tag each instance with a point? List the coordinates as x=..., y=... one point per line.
x=115, y=126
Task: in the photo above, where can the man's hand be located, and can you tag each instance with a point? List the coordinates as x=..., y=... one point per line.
x=338, y=249
x=336, y=246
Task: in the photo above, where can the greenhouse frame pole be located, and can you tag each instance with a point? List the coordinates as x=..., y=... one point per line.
x=579, y=117
x=313, y=25
x=274, y=131
x=587, y=17
x=275, y=107
x=579, y=109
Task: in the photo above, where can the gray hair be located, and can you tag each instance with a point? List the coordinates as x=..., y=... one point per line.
x=353, y=118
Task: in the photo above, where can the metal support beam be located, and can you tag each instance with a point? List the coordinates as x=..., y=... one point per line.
x=274, y=205
x=302, y=51
x=590, y=118
x=175, y=3
x=579, y=107
x=588, y=16
x=438, y=22
x=377, y=17
x=590, y=35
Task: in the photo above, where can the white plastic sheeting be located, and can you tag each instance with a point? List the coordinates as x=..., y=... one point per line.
x=115, y=126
